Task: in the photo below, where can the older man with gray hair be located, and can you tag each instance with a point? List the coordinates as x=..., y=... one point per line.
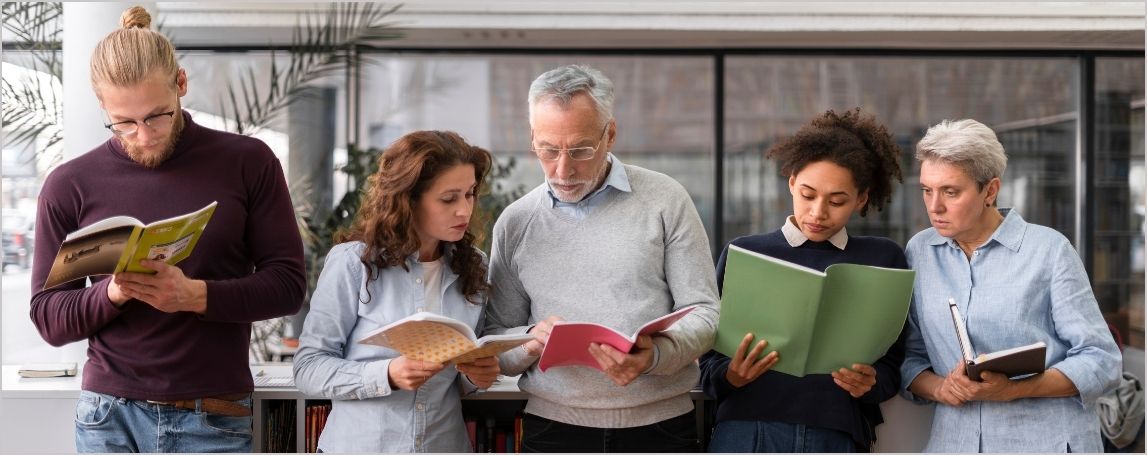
x=610, y=243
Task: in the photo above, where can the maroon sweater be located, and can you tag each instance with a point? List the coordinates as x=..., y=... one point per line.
x=250, y=255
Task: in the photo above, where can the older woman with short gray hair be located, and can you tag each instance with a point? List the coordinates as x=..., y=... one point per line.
x=1015, y=283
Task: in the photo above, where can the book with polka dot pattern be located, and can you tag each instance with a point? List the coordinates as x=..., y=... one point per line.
x=436, y=338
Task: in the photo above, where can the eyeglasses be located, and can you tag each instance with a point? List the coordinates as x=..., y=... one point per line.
x=575, y=153
x=128, y=127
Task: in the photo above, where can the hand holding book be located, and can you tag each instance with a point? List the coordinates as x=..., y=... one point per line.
x=409, y=374
x=746, y=366
x=1017, y=361
x=569, y=342
x=117, y=244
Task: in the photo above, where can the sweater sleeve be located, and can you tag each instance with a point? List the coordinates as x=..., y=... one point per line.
x=688, y=272
x=509, y=308
x=72, y=311
x=277, y=286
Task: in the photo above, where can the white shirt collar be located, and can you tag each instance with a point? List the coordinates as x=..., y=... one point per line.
x=797, y=238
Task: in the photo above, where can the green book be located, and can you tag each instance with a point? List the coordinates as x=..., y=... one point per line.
x=117, y=244
x=817, y=321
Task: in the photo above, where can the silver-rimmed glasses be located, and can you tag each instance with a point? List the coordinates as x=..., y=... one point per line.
x=575, y=153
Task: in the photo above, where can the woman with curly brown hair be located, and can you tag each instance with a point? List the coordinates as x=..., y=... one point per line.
x=411, y=248
x=837, y=165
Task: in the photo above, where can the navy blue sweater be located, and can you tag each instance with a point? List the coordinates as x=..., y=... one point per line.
x=815, y=399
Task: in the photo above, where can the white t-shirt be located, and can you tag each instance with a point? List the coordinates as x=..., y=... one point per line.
x=432, y=281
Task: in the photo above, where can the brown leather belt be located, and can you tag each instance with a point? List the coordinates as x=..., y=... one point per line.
x=224, y=405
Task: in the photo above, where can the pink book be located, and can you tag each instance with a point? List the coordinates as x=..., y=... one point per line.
x=569, y=341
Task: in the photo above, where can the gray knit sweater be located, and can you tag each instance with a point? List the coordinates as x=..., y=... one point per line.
x=638, y=256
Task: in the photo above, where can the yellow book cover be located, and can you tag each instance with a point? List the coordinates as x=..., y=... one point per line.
x=117, y=244
x=435, y=338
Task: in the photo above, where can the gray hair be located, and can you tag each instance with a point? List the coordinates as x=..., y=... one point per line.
x=967, y=144
x=561, y=84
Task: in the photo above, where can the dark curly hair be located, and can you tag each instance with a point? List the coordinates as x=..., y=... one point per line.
x=385, y=219
x=854, y=141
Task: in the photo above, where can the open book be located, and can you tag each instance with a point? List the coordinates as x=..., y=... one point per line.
x=569, y=341
x=117, y=244
x=817, y=321
x=1017, y=361
x=436, y=338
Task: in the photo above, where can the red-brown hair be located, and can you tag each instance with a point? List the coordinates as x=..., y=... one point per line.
x=385, y=219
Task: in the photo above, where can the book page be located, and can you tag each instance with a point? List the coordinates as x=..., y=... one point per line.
x=97, y=253
x=427, y=340
x=862, y=312
x=569, y=341
x=961, y=332
x=440, y=339
x=1007, y=352
x=775, y=301
x=493, y=345
x=170, y=240
x=106, y=224
x=661, y=324
x=816, y=321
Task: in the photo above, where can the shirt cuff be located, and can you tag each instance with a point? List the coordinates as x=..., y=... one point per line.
x=656, y=358
x=468, y=387
x=376, y=379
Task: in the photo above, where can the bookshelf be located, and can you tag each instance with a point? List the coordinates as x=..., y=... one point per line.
x=1117, y=276
x=281, y=421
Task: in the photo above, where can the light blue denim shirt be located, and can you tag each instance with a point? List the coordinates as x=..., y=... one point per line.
x=1025, y=284
x=616, y=179
x=367, y=414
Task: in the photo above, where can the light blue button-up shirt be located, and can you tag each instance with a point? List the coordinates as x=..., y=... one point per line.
x=1025, y=284
x=367, y=414
x=616, y=179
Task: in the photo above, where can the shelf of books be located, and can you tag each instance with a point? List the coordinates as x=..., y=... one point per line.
x=286, y=421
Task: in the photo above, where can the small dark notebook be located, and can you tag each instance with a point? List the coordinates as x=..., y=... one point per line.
x=1017, y=361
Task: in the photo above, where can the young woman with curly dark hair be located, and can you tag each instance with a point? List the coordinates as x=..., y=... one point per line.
x=411, y=248
x=837, y=165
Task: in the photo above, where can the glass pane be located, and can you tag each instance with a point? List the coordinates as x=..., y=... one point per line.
x=663, y=107
x=33, y=100
x=1118, y=210
x=1029, y=102
x=306, y=132
x=304, y=125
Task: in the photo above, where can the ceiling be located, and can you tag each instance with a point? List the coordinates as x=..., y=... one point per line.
x=694, y=25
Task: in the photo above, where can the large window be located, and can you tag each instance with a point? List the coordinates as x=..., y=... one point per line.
x=1117, y=195
x=32, y=99
x=663, y=107
x=666, y=109
x=1030, y=102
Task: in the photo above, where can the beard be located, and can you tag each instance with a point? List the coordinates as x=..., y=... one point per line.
x=588, y=185
x=137, y=154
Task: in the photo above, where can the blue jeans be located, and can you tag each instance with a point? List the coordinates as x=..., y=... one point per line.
x=772, y=437
x=678, y=434
x=105, y=423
